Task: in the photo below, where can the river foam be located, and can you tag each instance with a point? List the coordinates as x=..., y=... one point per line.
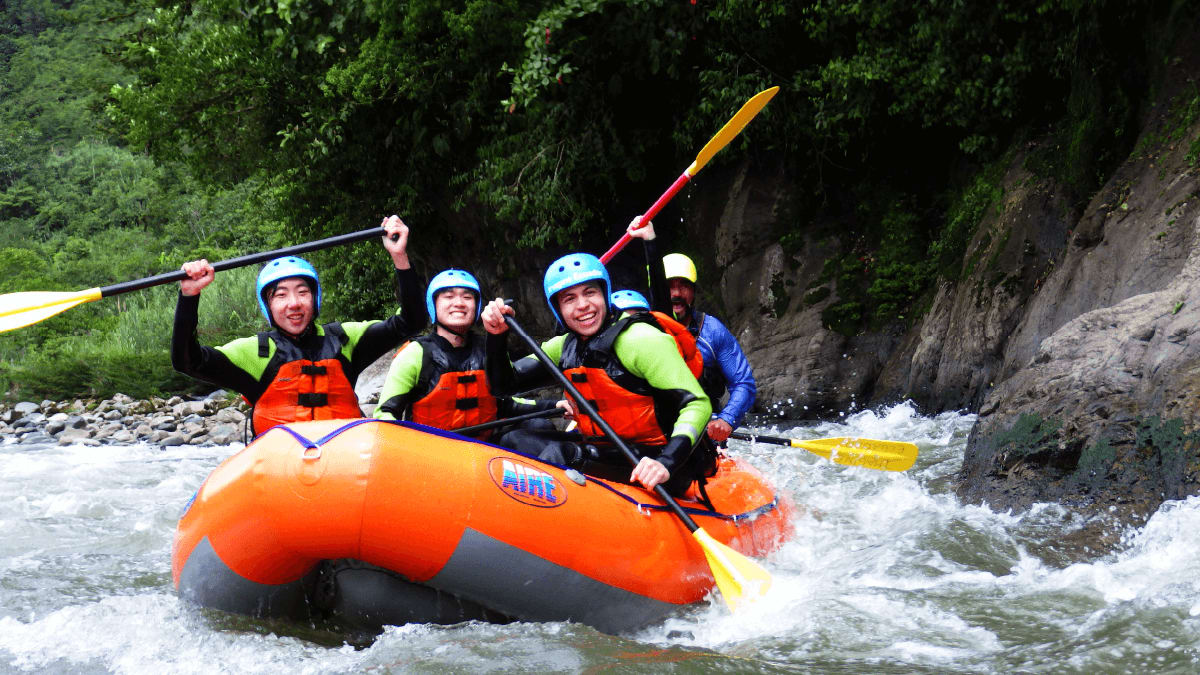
x=887, y=572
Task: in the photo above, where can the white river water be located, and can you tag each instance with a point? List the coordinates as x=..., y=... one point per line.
x=888, y=573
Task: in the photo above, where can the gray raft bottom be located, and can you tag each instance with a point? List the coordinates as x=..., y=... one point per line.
x=485, y=580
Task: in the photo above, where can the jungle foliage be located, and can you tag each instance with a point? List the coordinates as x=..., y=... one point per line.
x=548, y=122
x=136, y=135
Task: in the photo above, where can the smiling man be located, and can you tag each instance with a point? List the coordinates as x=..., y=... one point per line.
x=626, y=366
x=297, y=370
x=440, y=379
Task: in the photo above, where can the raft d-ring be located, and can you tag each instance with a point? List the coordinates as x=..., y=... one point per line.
x=311, y=454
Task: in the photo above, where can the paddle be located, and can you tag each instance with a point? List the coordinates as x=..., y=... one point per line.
x=515, y=419
x=18, y=310
x=727, y=133
x=864, y=452
x=736, y=575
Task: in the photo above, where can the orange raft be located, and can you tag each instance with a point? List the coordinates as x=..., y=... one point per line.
x=377, y=523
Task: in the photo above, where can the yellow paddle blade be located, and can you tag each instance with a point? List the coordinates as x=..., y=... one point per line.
x=865, y=452
x=732, y=128
x=18, y=310
x=739, y=578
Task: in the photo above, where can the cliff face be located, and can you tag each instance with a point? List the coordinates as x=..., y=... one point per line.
x=1068, y=330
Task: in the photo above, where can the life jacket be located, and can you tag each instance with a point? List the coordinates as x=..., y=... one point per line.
x=711, y=377
x=301, y=388
x=684, y=340
x=625, y=401
x=452, y=393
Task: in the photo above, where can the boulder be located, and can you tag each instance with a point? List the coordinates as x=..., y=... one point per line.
x=122, y=436
x=224, y=434
x=187, y=408
x=172, y=440
x=69, y=436
x=229, y=415
x=25, y=408
x=37, y=438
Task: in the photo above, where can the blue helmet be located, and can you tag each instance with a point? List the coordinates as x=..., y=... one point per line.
x=285, y=268
x=571, y=270
x=624, y=300
x=452, y=278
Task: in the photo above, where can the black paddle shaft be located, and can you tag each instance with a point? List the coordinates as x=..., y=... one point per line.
x=515, y=419
x=242, y=261
x=590, y=410
x=761, y=439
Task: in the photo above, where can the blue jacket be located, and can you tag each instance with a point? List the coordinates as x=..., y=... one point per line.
x=725, y=365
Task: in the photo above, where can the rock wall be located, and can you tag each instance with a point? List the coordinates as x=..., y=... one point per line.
x=1067, y=329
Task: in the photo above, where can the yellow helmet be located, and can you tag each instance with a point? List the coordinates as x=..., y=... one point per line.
x=678, y=265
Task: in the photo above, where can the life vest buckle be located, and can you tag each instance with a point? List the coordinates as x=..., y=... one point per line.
x=311, y=453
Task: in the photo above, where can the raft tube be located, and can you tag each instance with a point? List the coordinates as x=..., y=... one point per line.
x=375, y=523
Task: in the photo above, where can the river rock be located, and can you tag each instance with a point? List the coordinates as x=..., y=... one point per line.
x=187, y=408
x=172, y=440
x=53, y=426
x=113, y=414
x=69, y=436
x=229, y=415
x=123, y=436
x=32, y=419
x=37, y=438
x=25, y=408
x=224, y=434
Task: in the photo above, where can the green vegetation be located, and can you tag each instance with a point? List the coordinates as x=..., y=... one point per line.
x=1031, y=435
x=134, y=136
x=78, y=210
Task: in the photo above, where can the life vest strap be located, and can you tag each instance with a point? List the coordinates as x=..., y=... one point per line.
x=312, y=370
x=312, y=400
x=466, y=403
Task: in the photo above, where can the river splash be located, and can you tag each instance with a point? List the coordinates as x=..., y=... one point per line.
x=888, y=573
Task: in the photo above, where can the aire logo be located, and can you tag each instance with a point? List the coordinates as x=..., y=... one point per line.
x=526, y=483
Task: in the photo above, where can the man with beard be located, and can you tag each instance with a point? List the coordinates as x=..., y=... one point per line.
x=725, y=364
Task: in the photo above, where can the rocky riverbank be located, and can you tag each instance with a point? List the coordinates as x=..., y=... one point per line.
x=219, y=419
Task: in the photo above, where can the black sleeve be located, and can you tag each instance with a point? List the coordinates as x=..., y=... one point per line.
x=397, y=405
x=189, y=357
x=507, y=378
x=676, y=452
x=660, y=294
x=500, y=374
x=380, y=337
x=410, y=293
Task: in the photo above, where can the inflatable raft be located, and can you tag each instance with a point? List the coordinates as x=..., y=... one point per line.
x=374, y=523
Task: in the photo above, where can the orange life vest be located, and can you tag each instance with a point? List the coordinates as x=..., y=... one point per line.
x=684, y=340
x=452, y=395
x=625, y=401
x=304, y=389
